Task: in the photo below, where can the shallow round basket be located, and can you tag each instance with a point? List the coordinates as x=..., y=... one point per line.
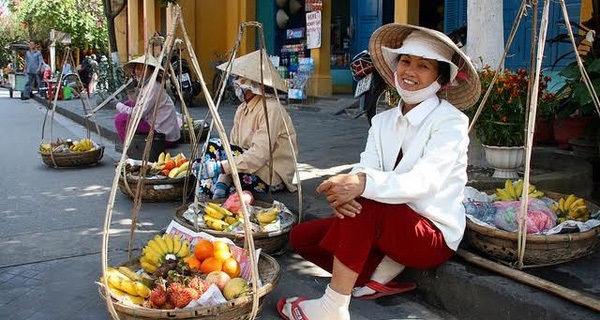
x=273, y=243
x=540, y=250
x=157, y=190
x=72, y=159
x=238, y=309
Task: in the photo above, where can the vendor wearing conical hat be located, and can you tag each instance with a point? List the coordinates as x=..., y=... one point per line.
x=402, y=204
x=252, y=140
x=165, y=119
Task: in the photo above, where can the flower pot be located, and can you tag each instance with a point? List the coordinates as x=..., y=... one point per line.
x=506, y=161
x=544, y=130
x=566, y=129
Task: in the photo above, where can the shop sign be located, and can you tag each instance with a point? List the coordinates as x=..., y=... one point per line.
x=313, y=29
x=297, y=33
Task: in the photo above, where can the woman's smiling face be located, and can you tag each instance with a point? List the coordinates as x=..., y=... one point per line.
x=415, y=72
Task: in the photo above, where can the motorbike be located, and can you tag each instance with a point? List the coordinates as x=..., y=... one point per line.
x=190, y=88
x=375, y=95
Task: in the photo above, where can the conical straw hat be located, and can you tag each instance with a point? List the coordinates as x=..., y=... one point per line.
x=145, y=59
x=248, y=66
x=465, y=89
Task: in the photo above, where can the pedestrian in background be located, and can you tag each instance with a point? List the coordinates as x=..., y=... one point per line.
x=33, y=68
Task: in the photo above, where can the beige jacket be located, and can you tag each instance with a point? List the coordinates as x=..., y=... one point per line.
x=250, y=133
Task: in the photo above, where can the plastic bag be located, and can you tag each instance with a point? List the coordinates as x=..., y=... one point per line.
x=540, y=217
x=481, y=210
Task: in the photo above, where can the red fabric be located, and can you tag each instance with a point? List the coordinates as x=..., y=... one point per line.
x=361, y=242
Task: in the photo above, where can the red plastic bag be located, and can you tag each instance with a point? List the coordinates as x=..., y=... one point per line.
x=233, y=203
x=540, y=217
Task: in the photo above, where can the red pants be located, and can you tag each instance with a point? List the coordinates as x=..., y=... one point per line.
x=361, y=242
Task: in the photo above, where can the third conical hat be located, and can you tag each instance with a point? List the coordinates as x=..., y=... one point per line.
x=248, y=66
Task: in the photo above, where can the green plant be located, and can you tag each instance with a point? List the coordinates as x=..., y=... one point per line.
x=575, y=98
x=502, y=119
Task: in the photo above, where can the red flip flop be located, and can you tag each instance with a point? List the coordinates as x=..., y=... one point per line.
x=388, y=289
x=297, y=313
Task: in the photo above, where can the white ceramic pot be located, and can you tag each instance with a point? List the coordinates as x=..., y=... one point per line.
x=505, y=160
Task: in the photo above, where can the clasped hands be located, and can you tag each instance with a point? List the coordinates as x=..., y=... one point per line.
x=341, y=191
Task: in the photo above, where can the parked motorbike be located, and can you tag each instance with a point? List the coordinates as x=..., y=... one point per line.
x=375, y=94
x=190, y=88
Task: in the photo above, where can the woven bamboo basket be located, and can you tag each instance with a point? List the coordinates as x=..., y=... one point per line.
x=540, y=250
x=157, y=190
x=273, y=243
x=237, y=309
x=72, y=159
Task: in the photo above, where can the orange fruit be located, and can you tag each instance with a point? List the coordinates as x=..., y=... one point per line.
x=203, y=249
x=211, y=264
x=231, y=267
x=181, y=161
x=222, y=254
x=220, y=245
x=170, y=164
x=193, y=263
x=165, y=172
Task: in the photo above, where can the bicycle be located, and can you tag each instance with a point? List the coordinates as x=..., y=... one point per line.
x=218, y=80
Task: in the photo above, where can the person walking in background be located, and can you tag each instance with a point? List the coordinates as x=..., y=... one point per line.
x=94, y=68
x=402, y=204
x=33, y=68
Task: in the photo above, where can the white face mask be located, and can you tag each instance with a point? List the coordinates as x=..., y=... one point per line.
x=239, y=93
x=416, y=96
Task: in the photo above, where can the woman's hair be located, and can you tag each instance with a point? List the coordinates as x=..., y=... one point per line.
x=443, y=72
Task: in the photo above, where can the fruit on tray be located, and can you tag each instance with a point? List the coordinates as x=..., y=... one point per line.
x=235, y=288
x=172, y=167
x=512, y=191
x=218, y=218
x=127, y=285
x=59, y=145
x=266, y=216
x=234, y=204
x=82, y=145
x=162, y=249
x=571, y=207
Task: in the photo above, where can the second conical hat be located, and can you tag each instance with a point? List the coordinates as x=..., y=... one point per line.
x=248, y=66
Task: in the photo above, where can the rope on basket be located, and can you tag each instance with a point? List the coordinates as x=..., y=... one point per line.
x=68, y=57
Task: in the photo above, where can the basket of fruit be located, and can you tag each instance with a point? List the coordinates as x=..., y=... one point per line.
x=271, y=222
x=68, y=153
x=175, y=278
x=164, y=180
x=563, y=212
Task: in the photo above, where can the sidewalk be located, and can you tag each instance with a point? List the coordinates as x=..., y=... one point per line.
x=329, y=142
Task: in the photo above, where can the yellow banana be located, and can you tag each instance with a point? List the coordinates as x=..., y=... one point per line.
x=176, y=243
x=531, y=189
x=167, y=157
x=114, y=281
x=130, y=273
x=569, y=200
x=230, y=220
x=142, y=290
x=218, y=225
x=125, y=297
x=536, y=194
x=509, y=187
x=519, y=188
x=213, y=213
x=184, y=166
x=267, y=216
x=220, y=209
x=150, y=268
x=161, y=243
x=185, y=249
x=173, y=173
x=577, y=203
x=155, y=247
x=151, y=256
x=503, y=195
x=128, y=286
x=161, y=158
x=169, y=241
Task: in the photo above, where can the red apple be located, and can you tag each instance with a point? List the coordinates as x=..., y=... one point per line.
x=219, y=278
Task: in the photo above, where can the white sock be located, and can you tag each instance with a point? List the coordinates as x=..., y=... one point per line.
x=385, y=272
x=331, y=306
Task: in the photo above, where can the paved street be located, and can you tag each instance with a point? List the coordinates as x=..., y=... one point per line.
x=51, y=220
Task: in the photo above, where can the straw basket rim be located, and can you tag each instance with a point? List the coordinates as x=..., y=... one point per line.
x=234, y=307
x=152, y=190
x=72, y=159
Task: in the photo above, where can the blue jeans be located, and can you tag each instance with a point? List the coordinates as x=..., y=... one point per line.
x=32, y=78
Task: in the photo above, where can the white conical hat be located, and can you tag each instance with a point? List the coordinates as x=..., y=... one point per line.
x=248, y=66
x=145, y=59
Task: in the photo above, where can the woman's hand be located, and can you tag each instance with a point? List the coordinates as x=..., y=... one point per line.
x=350, y=209
x=342, y=188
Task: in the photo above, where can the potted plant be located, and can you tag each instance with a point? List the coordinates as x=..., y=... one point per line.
x=500, y=126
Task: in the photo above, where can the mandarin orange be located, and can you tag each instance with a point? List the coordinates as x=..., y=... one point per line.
x=204, y=249
x=231, y=267
x=193, y=263
x=211, y=264
x=222, y=254
x=221, y=245
x=170, y=164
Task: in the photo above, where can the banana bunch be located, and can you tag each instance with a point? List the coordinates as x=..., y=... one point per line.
x=45, y=148
x=512, y=191
x=571, y=208
x=162, y=159
x=217, y=217
x=82, y=145
x=266, y=216
x=158, y=248
x=127, y=285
